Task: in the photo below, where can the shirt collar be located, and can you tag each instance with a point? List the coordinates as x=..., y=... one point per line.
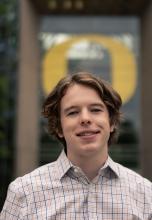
x=113, y=166
x=64, y=165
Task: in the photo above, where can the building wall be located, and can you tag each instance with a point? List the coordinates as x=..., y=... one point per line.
x=146, y=83
x=28, y=80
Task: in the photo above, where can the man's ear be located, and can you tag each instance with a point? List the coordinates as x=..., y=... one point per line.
x=112, y=128
x=59, y=133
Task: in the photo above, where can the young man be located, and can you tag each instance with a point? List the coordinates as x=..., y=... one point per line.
x=84, y=183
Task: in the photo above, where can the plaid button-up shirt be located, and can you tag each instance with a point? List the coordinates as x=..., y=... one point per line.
x=61, y=191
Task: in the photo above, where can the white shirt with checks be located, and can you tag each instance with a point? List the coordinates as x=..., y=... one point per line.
x=60, y=191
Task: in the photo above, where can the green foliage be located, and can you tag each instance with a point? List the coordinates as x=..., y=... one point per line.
x=8, y=63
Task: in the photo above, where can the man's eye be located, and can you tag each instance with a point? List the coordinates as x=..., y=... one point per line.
x=96, y=110
x=72, y=113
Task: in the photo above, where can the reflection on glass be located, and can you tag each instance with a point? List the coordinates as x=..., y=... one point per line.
x=89, y=56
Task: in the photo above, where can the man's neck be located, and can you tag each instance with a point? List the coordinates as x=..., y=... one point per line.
x=90, y=165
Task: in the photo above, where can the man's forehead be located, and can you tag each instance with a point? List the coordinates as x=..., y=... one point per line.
x=78, y=95
x=75, y=87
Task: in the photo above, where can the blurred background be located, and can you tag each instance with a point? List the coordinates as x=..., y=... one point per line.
x=40, y=42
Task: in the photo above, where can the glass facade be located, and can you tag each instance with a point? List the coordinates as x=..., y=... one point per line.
x=108, y=47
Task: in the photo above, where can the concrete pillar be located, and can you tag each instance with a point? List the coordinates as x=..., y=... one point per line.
x=146, y=82
x=28, y=80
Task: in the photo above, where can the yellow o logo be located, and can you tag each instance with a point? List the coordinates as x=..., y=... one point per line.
x=124, y=75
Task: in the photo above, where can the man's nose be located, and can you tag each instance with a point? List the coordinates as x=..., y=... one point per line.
x=85, y=117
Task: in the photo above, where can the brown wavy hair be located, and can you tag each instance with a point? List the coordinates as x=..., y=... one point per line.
x=112, y=100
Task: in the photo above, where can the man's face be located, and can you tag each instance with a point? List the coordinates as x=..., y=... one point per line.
x=85, y=122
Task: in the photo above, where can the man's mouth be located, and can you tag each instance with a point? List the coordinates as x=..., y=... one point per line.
x=87, y=133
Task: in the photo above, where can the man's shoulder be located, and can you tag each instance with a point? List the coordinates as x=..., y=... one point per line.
x=129, y=175
x=34, y=178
